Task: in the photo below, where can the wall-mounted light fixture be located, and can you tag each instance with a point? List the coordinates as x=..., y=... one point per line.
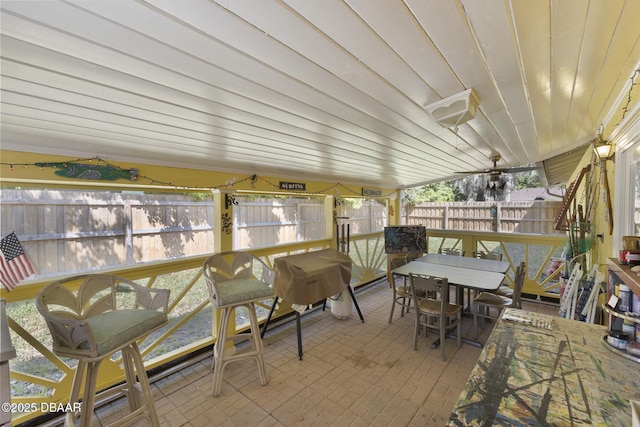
x=603, y=149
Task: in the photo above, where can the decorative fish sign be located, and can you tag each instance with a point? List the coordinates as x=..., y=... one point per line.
x=94, y=172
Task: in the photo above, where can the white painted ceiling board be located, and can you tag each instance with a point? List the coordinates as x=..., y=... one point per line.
x=599, y=36
x=329, y=90
x=412, y=45
x=377, y=59
x=532, y=24
x=443, y=23
x=490, y=35
x=358, y=72
x=624, y=51
x=565, y=54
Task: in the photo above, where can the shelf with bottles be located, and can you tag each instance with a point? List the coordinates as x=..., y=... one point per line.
x=622, y=310
x=625, y=316
x=622, y=335
x=624, y=274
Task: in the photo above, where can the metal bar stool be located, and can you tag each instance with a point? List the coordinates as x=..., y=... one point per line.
x=105, y=315
x=237, y=279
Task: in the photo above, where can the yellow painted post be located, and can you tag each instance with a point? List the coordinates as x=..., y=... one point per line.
x=223, y=242
x=393, y=209
x=330, y=212
x=224, y=236
x=468, y=245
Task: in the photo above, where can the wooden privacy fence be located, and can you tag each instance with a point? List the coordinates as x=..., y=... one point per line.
x=75, y=231
x=501, y=217
x=260, y=222
x=368, y=216
x=72, y=231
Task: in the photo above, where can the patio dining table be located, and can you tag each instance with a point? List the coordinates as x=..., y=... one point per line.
x=466, y=262
x=457, y=273
x=463, y=272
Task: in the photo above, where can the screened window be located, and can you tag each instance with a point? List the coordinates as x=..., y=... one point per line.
x=271, y=220
x=364, y=215
x=635, y=179
x=67, y=231
x=627, y=192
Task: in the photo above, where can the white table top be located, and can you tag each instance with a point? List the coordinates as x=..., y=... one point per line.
x=467, y=262
x=461, y=276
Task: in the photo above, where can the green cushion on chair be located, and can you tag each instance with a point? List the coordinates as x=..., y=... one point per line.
x=115, y=328
x=237, y=291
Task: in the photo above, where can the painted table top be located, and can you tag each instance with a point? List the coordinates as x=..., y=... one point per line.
x=539, y=370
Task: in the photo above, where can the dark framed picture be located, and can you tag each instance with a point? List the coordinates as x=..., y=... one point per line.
x=405, y=239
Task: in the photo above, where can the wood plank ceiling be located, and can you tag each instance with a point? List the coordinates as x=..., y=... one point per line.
x=331, y=90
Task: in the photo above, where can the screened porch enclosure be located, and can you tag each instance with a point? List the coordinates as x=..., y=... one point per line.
x=38, y=374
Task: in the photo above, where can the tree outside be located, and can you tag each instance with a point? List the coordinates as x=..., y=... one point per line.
x=472, y=188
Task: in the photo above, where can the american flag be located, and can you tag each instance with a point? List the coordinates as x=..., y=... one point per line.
x=14, y=263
